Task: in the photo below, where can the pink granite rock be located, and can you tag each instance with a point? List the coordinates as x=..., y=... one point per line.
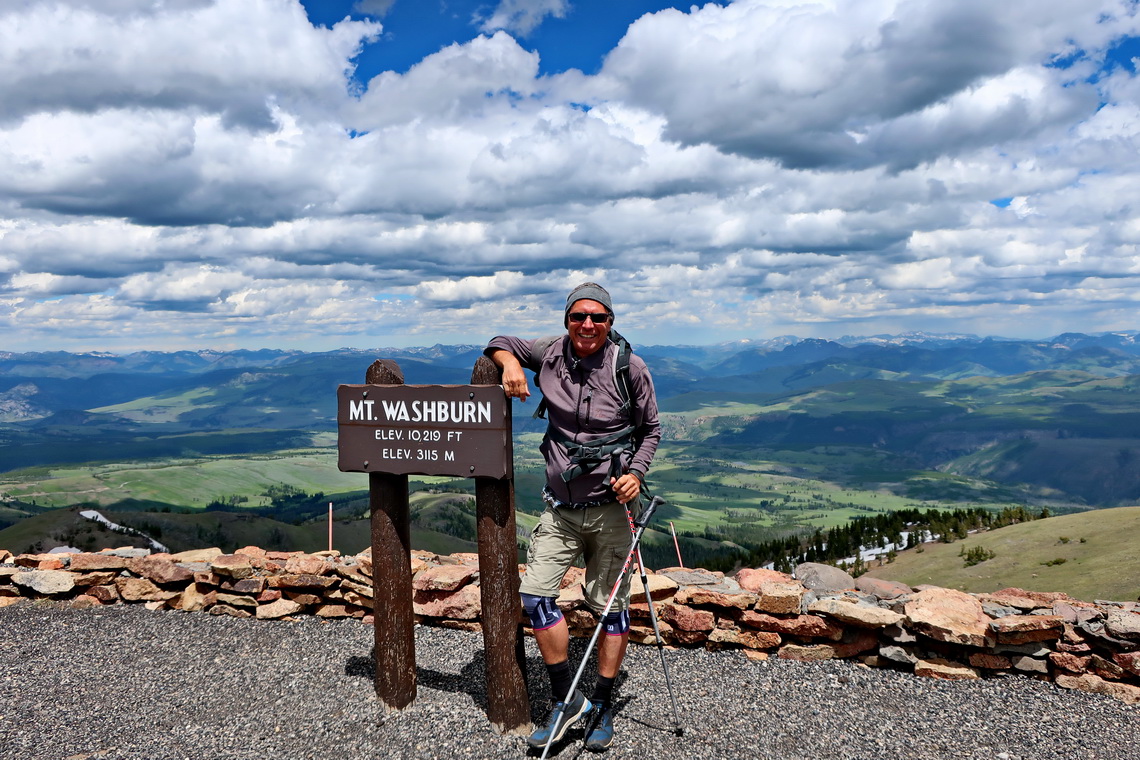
x=945, y=670
x=159, y=570
x=1126, y=693
x=810, y=653
x=780, y=597
x=106, y=594
x=748, y=639
x=140, y=590
x=715, y=596
x=660, y=587
x=42, y=561
x=278, y=609
x=336, y=611
x=855, y=641
x=750, y=578
x=97, y=561
x=197, y=555
x=951, y=616
x=302, y=581
x=1130, y=661
x=686, y=618
x=883, y=589
x=856, y=613
x=197, y=597
x=800, y=626
x=307, y=564
x=444, y=578
x=462, y=604
x=234, y=612
x=988, y=661
x=1026, y=629
x=232, y=565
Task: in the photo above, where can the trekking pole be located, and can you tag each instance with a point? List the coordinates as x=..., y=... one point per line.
x=639, y=523
x=677, y=730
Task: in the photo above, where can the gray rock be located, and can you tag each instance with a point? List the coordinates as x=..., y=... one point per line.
x=1033, y=649
x=46, y=581
x=880, y=588
x=999, y=610
x=692, y=577
x=130, y=552
x=904, y=655
x=817, y=577
x=899, y=634
x=1123, y=624
x=1027, y=664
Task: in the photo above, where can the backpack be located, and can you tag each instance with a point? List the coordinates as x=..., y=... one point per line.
x=587, y=457
x=620, y=370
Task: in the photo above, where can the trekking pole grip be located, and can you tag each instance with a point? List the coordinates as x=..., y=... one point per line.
x=647, y=515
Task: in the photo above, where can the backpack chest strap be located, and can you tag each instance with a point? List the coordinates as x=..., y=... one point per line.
x=587, y=456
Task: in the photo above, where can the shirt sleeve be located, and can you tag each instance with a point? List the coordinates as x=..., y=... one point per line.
x=520, y=348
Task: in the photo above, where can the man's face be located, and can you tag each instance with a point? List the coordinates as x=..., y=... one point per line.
x=588, y=337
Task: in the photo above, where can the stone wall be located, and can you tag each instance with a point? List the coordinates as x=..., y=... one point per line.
x=821, y=613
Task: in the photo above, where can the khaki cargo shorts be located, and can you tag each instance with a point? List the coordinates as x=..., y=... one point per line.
x=563, y=534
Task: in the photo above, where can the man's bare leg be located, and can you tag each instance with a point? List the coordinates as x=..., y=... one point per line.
x=554, y=644
x=611, y=652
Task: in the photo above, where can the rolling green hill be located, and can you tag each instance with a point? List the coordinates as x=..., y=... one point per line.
x=1099, y=549
x=230, y=530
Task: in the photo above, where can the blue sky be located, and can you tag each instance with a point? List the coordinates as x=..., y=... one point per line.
x=316, y=174
x=577, y=36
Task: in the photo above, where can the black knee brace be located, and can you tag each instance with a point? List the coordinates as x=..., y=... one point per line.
x=541, y=610
x=616, y=623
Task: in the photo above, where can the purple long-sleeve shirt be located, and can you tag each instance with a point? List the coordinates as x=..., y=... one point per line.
x=583, y=404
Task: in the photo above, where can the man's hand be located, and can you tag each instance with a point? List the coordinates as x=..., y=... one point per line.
x=626, y=487
x=514, y=379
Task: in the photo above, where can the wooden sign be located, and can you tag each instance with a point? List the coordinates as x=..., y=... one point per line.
x=450, y=430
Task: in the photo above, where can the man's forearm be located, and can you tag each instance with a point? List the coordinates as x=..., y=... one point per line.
x=503, y=358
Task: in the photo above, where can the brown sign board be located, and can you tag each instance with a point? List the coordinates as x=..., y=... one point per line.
x=456, y=430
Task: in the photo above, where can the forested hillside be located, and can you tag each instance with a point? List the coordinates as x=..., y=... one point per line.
x=763, y=440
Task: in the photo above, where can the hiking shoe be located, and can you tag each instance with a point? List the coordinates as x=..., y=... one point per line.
x=566, y=714
x=602, y=732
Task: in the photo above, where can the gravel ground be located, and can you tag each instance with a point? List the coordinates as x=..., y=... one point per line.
x=123, y=682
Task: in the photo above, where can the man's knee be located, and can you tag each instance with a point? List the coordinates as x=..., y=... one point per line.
x=616, y=623
x=542, y=611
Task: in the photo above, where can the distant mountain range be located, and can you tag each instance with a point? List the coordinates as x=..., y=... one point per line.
x=34, y=386
x=1061, y=413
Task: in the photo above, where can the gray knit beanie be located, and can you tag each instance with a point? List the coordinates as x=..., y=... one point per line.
x=592, y=291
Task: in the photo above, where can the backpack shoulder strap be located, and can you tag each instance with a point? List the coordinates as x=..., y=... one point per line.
x=621, y=374
x=537, y=351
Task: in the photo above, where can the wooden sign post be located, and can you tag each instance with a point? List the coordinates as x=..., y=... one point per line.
x=508, y=706
x=390, y=430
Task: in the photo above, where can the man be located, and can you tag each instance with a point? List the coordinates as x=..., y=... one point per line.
x=586, y=490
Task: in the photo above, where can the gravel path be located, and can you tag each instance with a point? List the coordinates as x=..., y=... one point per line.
x=123, y=682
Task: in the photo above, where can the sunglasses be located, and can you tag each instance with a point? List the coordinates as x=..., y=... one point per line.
x=581, y=316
